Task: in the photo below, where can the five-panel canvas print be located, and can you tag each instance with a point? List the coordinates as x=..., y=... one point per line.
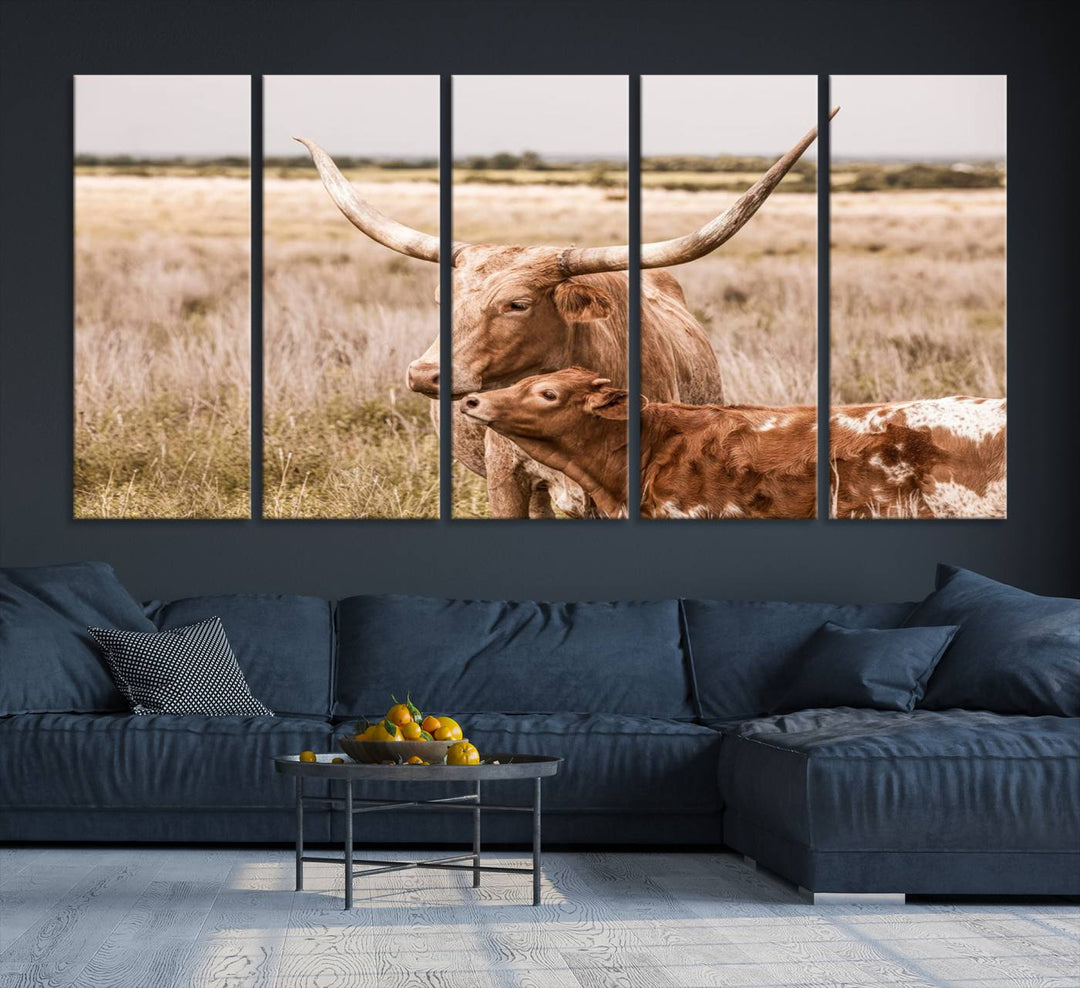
x=545, y=183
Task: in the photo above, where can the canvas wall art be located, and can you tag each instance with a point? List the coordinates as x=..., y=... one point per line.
x=918, y=421
x=351, y=223
x=162, y=297
x=538, y=316
x=540, y=283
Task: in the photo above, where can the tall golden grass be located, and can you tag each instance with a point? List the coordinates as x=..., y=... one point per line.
x=756, y=296
x=343, y=316
x=162, y=329
x=162, y=326
x=918, y=295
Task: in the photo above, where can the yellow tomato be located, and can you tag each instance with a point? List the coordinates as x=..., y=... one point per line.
x=308, y=756
x=411, y=731
x=462, y=753
x=337, y=761
x=416, y=760
x=399, y=714
x=368, y=734
x=431, y=724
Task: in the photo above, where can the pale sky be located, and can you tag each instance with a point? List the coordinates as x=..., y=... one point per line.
x=726, y=114
x=919, y=116
x=585, y=115
x=940, y=116
x=363, y=115
x=163, y=115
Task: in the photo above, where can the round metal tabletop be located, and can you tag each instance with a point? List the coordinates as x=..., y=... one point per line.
x=510, y=767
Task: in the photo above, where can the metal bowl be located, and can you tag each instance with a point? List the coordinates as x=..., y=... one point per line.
x=377, y=752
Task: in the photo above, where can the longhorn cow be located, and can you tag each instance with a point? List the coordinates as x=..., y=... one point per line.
x=520, y=311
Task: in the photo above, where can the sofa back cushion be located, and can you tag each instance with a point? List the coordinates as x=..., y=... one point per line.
x=477, y=656
x=1015, y=652
x=48, y=661
x=283, y=644
x=743, y=652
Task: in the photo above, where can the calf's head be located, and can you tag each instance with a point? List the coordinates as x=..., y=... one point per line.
x=570, y=420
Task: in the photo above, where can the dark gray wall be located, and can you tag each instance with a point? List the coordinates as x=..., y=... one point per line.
x=45, y=43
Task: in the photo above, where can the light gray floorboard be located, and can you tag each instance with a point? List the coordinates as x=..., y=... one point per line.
x=56, y=948
x=156, y=943
x=196, y=918
x=31, y=894
x=13, y=860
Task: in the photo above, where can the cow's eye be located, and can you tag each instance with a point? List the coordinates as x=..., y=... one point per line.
x=519, y=306
x=548, y=395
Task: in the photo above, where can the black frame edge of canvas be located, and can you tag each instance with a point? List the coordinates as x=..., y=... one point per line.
x=633, y=300
x=824, y=400
x=255, y=272
x=446, y=296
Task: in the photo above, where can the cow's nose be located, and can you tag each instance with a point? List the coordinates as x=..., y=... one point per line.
x=423, y=376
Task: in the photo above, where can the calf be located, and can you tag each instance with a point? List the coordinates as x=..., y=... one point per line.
x=935, y=458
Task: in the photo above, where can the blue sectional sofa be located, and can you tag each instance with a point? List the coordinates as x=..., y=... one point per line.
x=662, y=710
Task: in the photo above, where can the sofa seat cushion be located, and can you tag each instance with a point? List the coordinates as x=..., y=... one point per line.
x=637, y=765
x=284, y=644
x=516, y=657
x=865, y=780
x=116, y=761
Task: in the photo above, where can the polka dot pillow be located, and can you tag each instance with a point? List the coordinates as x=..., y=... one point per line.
x=189, y=670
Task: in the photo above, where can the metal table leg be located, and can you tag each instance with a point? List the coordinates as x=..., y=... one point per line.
x=476, y=840
x=536, y=841
x=299, y=833
x=348, y=844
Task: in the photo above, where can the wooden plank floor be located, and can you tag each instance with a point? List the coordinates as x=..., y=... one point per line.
x=189, y=918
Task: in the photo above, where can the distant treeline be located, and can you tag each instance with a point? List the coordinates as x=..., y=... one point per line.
x=175, y=161
x=874, y=177
x=685, y=172
x=721, y=163
x=350, y=161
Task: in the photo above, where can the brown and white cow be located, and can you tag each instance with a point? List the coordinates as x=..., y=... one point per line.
x=939, y=457
x=520, y=311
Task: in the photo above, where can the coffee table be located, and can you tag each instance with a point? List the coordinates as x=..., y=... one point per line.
x=535, y=767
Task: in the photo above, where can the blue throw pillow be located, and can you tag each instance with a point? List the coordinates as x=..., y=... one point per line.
x=48, y=663
x=883, y=669
x=1015, y=652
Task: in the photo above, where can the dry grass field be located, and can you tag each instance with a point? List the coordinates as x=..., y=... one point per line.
x=918, y=294
x=344, y=316
x=756, y=296
x=162, y=369
x=162, y=329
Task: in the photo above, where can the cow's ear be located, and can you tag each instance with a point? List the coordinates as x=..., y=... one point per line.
x=578, y=301
x=607, y=404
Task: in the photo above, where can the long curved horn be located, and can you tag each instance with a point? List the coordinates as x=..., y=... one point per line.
x=665, y=253
x=365, y=217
